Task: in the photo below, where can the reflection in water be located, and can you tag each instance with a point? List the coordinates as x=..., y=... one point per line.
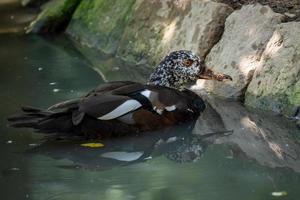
x=14, y=17
x=176, y=143
x=271, y=140
x=170, y=164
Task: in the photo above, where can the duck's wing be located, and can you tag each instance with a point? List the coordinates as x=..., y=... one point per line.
x=112, y=100
x=103, y=88
x=133, y=103
x=108, y=106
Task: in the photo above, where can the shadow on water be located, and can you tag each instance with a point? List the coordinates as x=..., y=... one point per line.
x=260, y=157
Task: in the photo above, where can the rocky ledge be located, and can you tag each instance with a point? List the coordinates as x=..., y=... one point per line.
x=255, y=41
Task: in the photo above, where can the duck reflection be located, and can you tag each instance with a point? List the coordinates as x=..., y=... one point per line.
x=177, y=144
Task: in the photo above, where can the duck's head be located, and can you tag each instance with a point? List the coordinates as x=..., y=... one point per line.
x=183, y=67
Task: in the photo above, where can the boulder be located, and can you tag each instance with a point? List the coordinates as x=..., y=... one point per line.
x=54, y=17
x=144, y=31
x=238, y=53
x=158, y=27
x=100, y=24
x=276, y=82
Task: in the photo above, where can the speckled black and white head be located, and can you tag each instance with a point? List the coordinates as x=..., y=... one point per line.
x=177, y=69
x=180, y=68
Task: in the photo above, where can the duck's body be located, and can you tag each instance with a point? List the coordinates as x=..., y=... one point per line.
x=116, y=108
x=125, y=107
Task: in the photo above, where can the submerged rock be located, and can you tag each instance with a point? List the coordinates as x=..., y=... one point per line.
x=238, y=53
x=107, y=65
x=276, y=82
x=54, y=17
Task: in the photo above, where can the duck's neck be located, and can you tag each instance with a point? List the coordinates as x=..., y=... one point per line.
x=163, y=76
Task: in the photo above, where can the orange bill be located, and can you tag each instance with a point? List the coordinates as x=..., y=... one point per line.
x=210, y=74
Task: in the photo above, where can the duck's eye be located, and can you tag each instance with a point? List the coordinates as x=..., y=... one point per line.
x=188, y=62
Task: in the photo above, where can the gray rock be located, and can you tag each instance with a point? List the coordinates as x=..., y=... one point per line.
x=145, y=31
x=158, y=27
x=238, y=53
x=276, y=81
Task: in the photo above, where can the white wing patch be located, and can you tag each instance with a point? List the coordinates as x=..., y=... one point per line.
x=146, y=93
x=127, y=106
x=159, y=108
x=170, y=108
x=159, y=111
x=123, y=155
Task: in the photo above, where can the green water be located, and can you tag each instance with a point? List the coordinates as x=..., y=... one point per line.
x=42, y=71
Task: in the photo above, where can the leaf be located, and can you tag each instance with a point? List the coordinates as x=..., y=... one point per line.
x=92, y=145
x=279, y=193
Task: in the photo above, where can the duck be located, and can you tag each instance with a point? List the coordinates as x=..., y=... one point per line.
x=121, y=108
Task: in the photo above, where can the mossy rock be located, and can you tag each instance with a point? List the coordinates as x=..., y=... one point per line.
x=54, y=17
x=100, y=23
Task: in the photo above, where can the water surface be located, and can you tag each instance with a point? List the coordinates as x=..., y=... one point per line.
x=172, y=164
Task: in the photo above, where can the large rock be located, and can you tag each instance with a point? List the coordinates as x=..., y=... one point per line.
x=276, y=82
x=54, y=17
x=238, y=53
x=158, y=27
x=100, y=23
x=145, y=30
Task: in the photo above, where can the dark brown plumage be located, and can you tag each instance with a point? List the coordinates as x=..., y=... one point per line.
x=125, y=107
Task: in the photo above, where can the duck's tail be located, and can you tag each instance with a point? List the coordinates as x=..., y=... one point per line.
x=43, y=120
